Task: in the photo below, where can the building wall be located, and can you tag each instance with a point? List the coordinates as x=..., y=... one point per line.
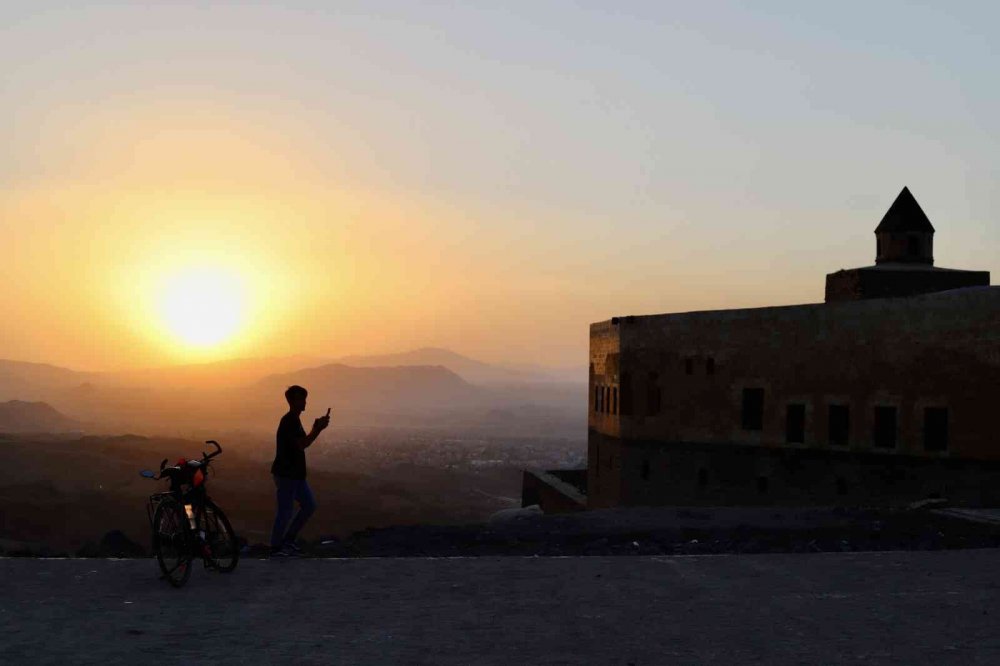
x=693, y=474
x=550, y=492
x=908, y=247
x=680, y=379
x=604, y=382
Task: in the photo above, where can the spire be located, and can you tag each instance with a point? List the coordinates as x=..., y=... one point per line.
x=904, y=215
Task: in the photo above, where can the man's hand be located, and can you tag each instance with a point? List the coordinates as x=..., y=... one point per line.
x=321, y=423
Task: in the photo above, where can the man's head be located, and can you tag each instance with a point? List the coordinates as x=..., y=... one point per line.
x=296, y=397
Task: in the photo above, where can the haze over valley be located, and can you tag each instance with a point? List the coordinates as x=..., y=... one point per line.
x=411, y=443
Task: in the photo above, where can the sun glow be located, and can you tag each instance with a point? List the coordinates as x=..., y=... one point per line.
x=203, y=307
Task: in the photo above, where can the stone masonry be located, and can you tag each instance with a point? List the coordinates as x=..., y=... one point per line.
x=860, y=400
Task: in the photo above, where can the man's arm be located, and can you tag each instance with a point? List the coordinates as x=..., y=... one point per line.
x=306, y=442
x=319, y=425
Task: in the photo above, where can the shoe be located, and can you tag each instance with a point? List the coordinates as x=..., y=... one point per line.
x=281, y=553
x=292, y=548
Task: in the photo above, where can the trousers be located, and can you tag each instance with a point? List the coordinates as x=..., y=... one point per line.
x=288, y=492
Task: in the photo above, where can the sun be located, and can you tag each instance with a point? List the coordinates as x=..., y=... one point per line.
x=203, y=307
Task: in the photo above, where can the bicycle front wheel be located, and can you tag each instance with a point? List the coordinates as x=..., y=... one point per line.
x=223, y=546
x=170, y=542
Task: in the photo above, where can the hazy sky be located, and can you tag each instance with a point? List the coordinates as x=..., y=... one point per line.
x=362, y=178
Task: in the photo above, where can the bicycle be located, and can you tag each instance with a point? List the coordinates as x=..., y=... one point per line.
x=186, y=523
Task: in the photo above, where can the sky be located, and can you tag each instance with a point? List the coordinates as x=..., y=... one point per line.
x=185, y=182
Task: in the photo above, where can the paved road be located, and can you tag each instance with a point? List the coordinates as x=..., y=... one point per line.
x=864, y=608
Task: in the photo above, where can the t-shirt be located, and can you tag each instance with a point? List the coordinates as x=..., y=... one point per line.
x=289, y=459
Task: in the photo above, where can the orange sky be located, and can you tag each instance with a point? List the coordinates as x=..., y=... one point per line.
x=352, y=182
x=322, y=265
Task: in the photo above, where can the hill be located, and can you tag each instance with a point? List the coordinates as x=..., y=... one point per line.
x=33, y=381
x=400, y=389
x=471, y=370
x=21, y=416
x=65, y=490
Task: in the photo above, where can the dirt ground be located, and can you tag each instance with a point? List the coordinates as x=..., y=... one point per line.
x=831, y=608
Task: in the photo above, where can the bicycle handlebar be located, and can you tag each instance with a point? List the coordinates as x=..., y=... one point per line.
x=205, y=457
x=218, y=450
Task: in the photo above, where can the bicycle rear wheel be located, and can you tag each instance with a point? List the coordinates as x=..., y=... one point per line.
x=170, y=542
x=223, y=546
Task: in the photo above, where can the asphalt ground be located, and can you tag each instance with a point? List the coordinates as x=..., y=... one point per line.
x=928, y=607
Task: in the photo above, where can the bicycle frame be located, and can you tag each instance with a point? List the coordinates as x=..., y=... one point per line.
x=192, y=499
x=196, y=534
x=153, y=502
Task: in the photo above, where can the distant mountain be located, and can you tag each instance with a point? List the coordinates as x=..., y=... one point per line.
x=20, y=416
x=384, y=389
x=469, y=369
x=433, y=386
x=20, y=379
x=36, y=381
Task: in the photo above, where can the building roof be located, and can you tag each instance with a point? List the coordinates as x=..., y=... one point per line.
x=986, y=298
x=904, y=214
x=913, y=268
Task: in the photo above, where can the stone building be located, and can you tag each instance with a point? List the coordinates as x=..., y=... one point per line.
x=884, y=394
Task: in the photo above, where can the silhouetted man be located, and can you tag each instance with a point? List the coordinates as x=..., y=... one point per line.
x=289, y=470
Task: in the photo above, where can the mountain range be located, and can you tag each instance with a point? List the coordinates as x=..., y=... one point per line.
x=430, y=386
x=414, y=387
x=471, y=370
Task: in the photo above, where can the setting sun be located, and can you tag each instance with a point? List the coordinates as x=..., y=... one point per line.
x=203, y=307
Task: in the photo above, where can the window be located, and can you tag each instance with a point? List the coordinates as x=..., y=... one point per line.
x=607, y=399
x=689, y=366
x=597, y=398
x=913, y=246
x=702, y=477
x=761, y=484
x=838, y=424
x=841, y=485
x=936, y=428
x=753, y=409
x=644, y=472
x=625, y=400
x=795, y=424
x=884, y=431
x=653, y=395
x=614, y=400
x=710, y=366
